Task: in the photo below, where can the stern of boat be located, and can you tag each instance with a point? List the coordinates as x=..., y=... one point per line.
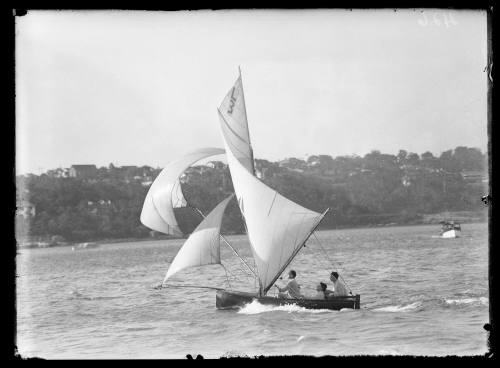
x=225, y=299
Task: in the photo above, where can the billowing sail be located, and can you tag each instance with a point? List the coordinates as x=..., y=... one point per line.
x=203, y=245
x=277, y=227
x=165, y=194
x=234, y=125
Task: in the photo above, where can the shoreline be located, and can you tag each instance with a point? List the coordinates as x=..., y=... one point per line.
x=97, y=243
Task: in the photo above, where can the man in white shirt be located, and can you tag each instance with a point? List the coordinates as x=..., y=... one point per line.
x=339, y=288
x=292, y=288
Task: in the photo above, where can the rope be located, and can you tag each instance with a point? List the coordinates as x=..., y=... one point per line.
x=240, y=258
x=233, y=275
x=227, y=278
x=332, y=263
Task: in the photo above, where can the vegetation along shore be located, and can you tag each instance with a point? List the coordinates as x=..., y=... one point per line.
x=85, y=203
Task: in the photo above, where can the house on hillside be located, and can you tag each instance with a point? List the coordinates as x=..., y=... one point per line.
x=83, y=171
x=216, y=165
x=293, y=164
x=58, y=173
x=128, y=172
x=193, y=173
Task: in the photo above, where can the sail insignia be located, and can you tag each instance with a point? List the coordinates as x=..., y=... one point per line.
x=234, y=125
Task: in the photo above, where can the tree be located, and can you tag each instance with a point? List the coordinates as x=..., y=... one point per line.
x=412, y=159
x=401, y=157
x=429, y=161
x=365, y=190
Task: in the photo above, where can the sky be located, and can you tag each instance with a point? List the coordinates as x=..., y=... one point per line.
x=142, y=88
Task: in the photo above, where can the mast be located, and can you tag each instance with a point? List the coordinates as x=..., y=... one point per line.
x=285, y=265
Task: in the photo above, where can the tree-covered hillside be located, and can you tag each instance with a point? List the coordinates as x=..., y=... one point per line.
x=375, y=189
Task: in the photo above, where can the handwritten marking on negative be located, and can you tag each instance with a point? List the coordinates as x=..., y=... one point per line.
x=437, y=19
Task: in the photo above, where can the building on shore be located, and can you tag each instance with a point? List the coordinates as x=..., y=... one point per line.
x=83, y=171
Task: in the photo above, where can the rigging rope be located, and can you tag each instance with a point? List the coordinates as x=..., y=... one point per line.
x=227, y=278
x=240, y=258
x=332, y=263
x=233, y=276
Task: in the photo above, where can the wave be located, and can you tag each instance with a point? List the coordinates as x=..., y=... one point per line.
x=255, y=308
x=400, y=308
x=85, y=314
x=482, y=300
x=75, y=294
x=133, y=329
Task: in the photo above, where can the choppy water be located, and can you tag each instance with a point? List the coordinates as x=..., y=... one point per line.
x=420, y=295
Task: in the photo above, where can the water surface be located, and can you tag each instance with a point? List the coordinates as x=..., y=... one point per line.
x=420, y=295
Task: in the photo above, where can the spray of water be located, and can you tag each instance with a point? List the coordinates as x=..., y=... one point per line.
x=255, y=308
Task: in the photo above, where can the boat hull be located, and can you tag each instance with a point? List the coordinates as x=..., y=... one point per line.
x=451, y=234
x=226, y=299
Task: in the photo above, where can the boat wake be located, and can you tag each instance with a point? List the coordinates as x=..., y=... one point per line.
x=400, y=308
x=482, y=300
x=255, y=308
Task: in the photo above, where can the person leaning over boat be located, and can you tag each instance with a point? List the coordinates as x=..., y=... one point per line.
x=292, y=288
x=339, y=288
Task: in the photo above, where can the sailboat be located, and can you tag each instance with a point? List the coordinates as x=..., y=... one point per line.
x=277, y=228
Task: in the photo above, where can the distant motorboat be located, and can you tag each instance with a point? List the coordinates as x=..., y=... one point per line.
x=450, y=229
x=84, y=246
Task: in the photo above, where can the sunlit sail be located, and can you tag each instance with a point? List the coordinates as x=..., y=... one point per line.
x=276, y=226
x=234, y=125
x=203, y=245
x=165, y=194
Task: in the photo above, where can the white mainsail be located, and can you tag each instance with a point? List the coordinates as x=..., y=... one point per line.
x=277, y=227
x=234, y=125
x=165, y=194
x=203, y=245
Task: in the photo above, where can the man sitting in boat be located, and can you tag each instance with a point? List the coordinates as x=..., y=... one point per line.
x=339, y=288
x=292, y=288
x=320, y=291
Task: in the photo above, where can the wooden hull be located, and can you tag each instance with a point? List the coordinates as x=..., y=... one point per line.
x=236, y=299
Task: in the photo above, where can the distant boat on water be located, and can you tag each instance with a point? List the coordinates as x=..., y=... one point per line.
x=277, y=228
x=450, y=229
